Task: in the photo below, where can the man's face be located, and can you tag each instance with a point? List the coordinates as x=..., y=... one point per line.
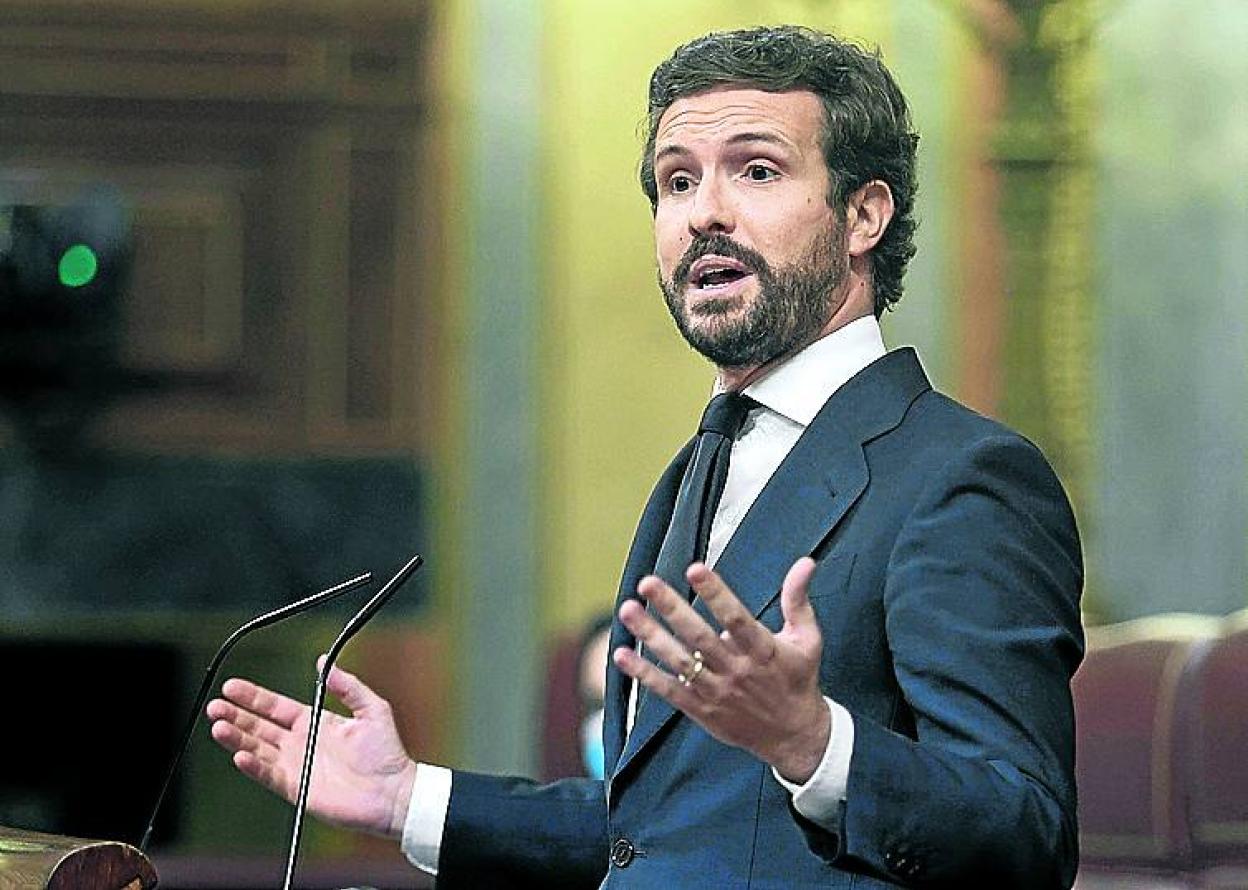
x=752, y=258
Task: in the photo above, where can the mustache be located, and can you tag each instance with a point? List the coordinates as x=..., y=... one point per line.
x=719, y=245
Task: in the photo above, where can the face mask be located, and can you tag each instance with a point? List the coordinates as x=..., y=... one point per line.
x=591, y=745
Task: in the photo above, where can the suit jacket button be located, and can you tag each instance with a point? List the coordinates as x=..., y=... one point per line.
x=622, y=853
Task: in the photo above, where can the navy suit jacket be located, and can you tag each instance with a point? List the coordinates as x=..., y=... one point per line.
x=947, y=593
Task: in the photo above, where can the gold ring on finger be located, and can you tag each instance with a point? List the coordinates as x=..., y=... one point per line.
x=698, y=666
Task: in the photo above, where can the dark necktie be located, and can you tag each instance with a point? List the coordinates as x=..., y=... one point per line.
x=701, y=488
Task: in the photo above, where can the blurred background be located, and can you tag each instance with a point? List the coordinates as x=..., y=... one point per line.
x=291, y=289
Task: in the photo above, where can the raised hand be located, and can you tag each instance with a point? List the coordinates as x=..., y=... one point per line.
x=746, y=686
x=362, y=777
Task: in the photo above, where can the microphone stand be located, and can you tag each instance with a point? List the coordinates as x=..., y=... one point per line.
x=362, y=617
x=205, y=687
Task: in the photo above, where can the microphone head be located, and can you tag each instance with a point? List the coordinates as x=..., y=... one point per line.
x=369, y=609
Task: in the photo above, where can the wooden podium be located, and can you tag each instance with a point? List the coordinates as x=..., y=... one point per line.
x=30, y=860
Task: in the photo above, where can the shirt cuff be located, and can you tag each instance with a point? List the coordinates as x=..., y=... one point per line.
x=820, y=799
x=426, y=817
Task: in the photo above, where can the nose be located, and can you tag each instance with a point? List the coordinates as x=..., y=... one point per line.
x=711, y=211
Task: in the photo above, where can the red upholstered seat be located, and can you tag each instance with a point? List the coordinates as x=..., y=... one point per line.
x=1219, y=765
x=1135, y=719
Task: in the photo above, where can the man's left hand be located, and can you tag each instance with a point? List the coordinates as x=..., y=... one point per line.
x=745, y=685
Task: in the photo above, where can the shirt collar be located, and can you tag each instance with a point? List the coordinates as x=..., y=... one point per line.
x=797, y=387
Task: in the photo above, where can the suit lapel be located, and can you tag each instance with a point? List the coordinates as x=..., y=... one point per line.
x=640, y=562
x=819, y=480
x=822, y=477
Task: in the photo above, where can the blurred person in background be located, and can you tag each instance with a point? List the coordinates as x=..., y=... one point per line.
x=591, y=675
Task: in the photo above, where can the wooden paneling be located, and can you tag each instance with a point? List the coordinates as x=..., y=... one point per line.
x=267, y=152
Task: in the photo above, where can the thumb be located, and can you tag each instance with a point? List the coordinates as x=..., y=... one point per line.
x=351, y=690
x=799, y=614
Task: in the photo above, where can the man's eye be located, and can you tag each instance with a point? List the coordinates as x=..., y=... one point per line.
x=760, y=173
x=680, y=183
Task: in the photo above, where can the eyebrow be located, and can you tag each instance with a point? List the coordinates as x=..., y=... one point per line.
x=735, y=139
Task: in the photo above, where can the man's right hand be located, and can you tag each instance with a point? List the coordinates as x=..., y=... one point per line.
x=362, y=777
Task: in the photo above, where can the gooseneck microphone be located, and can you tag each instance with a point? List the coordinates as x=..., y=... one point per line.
x=358, y=620
x=256, y=623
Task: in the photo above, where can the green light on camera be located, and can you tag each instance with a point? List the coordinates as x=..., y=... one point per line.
x=78, y=266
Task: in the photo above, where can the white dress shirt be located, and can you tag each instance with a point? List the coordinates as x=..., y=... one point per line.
x=790, y=395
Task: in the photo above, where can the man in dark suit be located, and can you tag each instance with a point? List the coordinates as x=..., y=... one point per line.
x=871, y=686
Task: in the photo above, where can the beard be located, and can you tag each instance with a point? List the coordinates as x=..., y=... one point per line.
x=792, y=305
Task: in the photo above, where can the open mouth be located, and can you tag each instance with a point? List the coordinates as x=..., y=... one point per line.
x=713, y=272
x=718, y=278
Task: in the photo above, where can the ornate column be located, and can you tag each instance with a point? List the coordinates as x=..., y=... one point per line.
x=1043, y=150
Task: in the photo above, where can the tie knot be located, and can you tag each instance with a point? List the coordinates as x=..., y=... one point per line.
x=726, y=413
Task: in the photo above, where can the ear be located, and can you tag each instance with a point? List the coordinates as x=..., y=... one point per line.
x=867, y=214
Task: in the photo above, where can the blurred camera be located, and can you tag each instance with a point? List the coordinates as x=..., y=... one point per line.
x=63, y=269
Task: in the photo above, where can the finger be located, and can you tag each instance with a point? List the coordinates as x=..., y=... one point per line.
x=685, y=623
x=233, y=739
x=219, y=709
x=656, y=638
x=729, y=645
x=268, y=704
x=795, y=605
x=246, y=721
x=268, y=774
x=648, y=675
x=749, y=636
